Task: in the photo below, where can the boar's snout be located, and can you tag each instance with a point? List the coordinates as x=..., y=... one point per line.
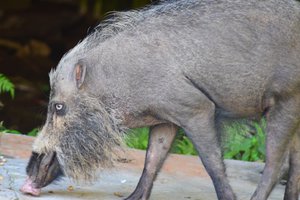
x=29, y=188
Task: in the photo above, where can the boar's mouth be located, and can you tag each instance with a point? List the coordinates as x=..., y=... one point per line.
x=43, y=169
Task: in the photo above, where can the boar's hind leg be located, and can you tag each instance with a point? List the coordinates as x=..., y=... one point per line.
x=160, y=141
x=293, y=184
x=283, y=119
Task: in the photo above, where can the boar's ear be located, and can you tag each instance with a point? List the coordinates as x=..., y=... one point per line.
x=79, y=71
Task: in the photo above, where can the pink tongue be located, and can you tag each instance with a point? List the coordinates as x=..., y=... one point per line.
x=28, y=188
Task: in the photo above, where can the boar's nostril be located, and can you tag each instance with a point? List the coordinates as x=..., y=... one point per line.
x=30, y=188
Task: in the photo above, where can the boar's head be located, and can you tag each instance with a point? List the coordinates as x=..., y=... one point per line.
x=80, y=130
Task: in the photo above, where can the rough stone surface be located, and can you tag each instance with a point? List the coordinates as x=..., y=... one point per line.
x=18, y=146
x=182, y=178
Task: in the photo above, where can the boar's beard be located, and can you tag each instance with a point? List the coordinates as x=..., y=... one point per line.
x=87, y=140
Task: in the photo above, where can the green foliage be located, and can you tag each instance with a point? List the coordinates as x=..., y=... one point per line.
x=183, y=145
x=241, y=145
x=6, y=86
x=33, y=132
x=3, y=129
x=138, y=139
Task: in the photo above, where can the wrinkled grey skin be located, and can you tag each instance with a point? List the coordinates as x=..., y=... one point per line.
x=186, y=64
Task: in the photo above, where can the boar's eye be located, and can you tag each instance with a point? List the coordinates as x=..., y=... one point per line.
x=60, y=108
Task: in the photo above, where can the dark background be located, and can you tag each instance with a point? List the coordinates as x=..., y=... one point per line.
x=34, y=35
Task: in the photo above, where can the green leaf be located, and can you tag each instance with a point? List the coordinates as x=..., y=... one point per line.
x=6, y=86
x=33, y=132
x=240, y=143
x=11, y=131
x=137, y=138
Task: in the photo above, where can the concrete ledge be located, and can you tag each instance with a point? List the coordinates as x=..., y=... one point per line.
x=19, y=146
x=182, y=177
x=15, y=145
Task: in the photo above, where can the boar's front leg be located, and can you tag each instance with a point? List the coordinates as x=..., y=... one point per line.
x=160, y=141
x=283, y=120
x=201, y=129
x=293, y=184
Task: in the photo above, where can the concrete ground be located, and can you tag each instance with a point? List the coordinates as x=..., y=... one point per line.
x=182, y=178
